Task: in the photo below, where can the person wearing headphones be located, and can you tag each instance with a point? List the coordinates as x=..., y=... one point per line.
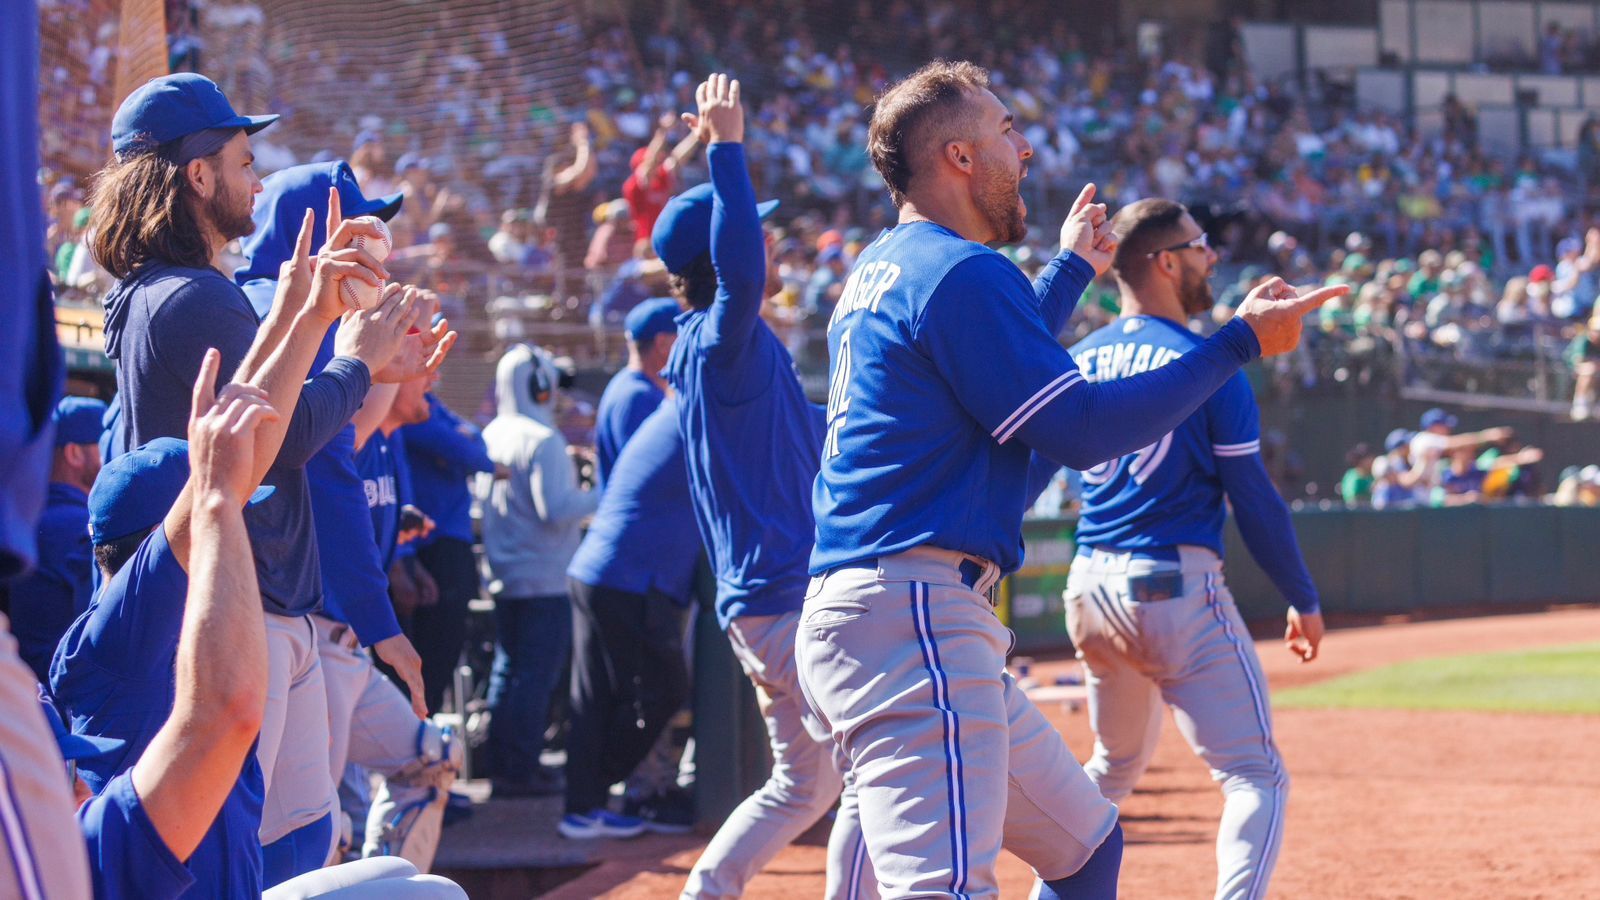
x=531, y=527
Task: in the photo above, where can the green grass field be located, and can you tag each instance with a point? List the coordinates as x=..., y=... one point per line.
x=1553, y=680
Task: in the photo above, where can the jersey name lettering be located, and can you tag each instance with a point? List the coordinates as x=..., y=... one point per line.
x=380, y=491
x=864, y=289
x=1108, y=362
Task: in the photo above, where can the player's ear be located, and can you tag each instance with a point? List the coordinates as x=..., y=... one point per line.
x=200, y=176
x=960, y=155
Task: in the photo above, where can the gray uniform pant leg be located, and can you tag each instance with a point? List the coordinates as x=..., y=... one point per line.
x=1194, y=654
x=805, y=779
x=906, y=665
x=41, y=848
x=374, y=727
x=294, y=744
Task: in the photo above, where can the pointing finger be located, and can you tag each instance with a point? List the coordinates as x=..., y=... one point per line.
x=1084, y=196
x=1307, y=302
x=205, y=386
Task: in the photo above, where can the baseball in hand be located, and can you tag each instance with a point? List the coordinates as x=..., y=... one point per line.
x=358, y=294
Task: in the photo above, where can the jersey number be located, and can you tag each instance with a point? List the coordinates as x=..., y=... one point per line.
x=1141, y=465
x=838, y=398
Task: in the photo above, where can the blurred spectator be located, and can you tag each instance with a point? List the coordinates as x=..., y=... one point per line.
x=1355, y=488
x=653, y=176
x=1583, y=355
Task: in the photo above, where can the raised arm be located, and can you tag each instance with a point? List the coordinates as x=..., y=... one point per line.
x=1014, y=378
x=193, y=762
x=738, y=248
x=1087, y=246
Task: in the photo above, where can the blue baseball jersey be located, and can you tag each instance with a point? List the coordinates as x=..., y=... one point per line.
x=113, y=675
x=751, y=437
x=643, y=536
x=629, y=398
x=940, y=352
x=1170, y=492
x=442, y=454
x=377, y=466
x=46, y=600
x=127, y=857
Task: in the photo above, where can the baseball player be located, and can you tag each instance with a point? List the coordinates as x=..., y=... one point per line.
x=41, y=854
x=630, y=581
x=635, y=392
x=945, y=378
x=443, y=454
x=169, y=304
x=176, y=813
x=44, y=602
x=1146, y=604
x=751, y=439
x=418, y=760
x=371, y=722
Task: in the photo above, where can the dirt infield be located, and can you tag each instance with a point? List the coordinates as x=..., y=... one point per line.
x=1384, y=804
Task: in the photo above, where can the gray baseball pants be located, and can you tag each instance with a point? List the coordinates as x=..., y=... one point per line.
x=806, y=779
x=905, y=662
x=372, y=724
x=1157, y=633
x=293, y=748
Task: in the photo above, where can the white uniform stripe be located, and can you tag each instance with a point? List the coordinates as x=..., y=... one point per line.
x=17, y=839
x=1236, y=449
x=1264, y=866
x=952, y=751
x=1035, y=403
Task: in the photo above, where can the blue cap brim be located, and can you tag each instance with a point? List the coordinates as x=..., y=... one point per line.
x=250, y=124
x=766, y=209
x=261, y=494
x=79, y=747
x=384, y=208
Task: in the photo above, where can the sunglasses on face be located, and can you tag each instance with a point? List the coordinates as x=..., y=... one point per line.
x=1203, y=242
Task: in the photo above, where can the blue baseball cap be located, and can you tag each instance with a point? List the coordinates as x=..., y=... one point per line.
x=75, y=747
x=77, y=420
x=1397, y=438
x=683, y=230
x=171, y=107
x=137, y=489
x=658, y=315
x=354, y=203
x=1437, y=416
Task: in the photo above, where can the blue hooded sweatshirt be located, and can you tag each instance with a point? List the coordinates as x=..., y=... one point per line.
x=355, y=586
x=159, y=322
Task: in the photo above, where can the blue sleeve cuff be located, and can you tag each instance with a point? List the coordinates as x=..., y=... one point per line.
x=1078, y=265
x=1239, y=338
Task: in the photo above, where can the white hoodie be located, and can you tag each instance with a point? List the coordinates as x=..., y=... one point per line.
x=531, y=519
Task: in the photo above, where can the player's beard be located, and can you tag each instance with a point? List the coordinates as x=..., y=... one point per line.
x=1196, y=295
x=1000, y=203
x=229, y=212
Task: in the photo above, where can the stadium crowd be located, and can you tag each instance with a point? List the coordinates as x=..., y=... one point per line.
x=532, y=183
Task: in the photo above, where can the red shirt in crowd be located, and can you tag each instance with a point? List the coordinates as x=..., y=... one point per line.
x=645, y=201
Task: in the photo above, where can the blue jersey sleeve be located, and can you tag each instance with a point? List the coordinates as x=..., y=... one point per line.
x=1059, y=287
x=404, y=494
x=354, y=584
x=985, y=312
x=1233, y=422
x=738, y=249
x=127, y=857
x=449, y=441
x=1234, y=428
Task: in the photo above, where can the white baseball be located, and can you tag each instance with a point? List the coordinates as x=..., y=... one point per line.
x=358, y=294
